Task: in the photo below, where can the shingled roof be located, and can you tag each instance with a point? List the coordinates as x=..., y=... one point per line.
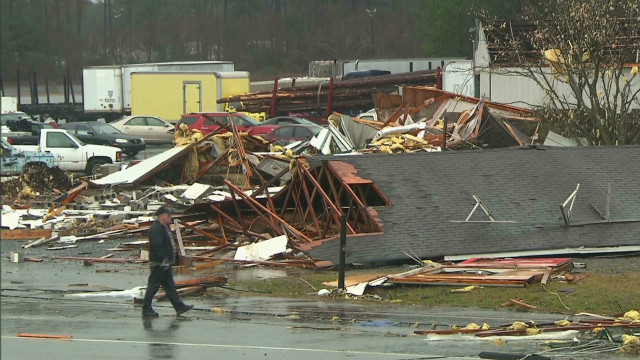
x=428, y=191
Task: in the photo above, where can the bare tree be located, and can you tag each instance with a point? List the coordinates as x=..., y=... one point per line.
x=580, y=52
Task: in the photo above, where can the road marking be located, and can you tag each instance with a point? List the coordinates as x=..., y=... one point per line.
x=229, y=346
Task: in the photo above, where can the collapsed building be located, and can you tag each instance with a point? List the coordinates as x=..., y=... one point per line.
x=400, y=192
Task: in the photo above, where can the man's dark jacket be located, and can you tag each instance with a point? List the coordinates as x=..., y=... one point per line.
x=160, y=248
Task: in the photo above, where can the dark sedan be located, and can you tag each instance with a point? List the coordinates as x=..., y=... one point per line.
x=287, y=134
x=105, y=134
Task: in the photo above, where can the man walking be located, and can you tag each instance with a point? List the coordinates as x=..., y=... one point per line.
x=162, y=255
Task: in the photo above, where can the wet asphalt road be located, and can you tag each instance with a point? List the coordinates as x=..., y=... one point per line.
x=34, y=299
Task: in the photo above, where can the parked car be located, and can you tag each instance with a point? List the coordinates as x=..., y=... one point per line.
x=25, y=131
x=287, y=120
x=152, y=129
x=105, y=134
x=13, y=116
x=206, y=125
x=72, y=154
x=14, y=160
x=287, y=134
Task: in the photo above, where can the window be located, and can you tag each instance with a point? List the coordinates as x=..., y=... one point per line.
x=285, y=132
x=240, y=121
x=189, y=120
x=247, y=121
x=301, y=132
x=220, y=119
x=60, y=140
x=154, y=122
x=136, y=121
x=83, y=130
x=104, y=129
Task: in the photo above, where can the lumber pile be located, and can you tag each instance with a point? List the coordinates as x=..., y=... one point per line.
x=344, y=95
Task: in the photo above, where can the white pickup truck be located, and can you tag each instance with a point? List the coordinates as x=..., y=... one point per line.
x=72, y=154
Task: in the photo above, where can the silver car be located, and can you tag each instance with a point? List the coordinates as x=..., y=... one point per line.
x=152, y=129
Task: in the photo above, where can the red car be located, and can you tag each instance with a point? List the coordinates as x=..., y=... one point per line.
x=207, y=125
x=287, y=134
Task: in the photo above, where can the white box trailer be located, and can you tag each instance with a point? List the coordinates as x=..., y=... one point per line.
x=102, y=89
x=458, y=77
x=396, y=66
x=107, y=89
x=340, y=68
x=8, y=104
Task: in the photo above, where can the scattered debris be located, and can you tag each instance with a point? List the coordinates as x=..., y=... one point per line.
x=487, y=272
x=520, y=303
x=36, y=181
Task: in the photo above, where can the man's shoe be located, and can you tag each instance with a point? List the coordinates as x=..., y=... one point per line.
x=184, y=309
x=149, y=313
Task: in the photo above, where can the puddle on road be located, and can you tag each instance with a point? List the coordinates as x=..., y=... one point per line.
x=256, y=273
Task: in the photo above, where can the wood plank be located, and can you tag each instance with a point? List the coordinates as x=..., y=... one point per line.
x=25, y=234
x=186, y=291
x=40, y=241
x=176, y=225
x=448, y=331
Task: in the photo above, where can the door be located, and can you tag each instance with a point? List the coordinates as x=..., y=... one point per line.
x=210, y=125
x=158, y=130
x=192, y=97
x=86, y=134
x=11, y=162
x=68, y=154
x=136, y=126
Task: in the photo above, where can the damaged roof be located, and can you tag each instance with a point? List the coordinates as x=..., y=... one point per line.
x=433, y=193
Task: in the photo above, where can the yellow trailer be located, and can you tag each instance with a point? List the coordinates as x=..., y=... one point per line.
x=170, y=95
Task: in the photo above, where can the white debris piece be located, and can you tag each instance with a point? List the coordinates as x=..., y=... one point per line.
x=141, y=169
x=262, y=250
x=357, y=290
x=196, y=191
x=136, y=292
x=10, y=219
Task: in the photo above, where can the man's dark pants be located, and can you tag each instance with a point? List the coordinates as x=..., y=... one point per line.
x=160, y=276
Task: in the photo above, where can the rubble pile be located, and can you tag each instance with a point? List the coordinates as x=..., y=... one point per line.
x=39, y=180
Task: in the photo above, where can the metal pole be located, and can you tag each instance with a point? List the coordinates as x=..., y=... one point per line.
x=275, y=97
x=66, y=89
x=329, y=110
x=73, y=96
x=35, y=87
x=18, y=83
x=46, y=85
x=343, y=253
x=30, y=89
x=444, y=134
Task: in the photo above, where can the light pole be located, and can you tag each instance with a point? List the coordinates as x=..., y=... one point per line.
x=372, y=13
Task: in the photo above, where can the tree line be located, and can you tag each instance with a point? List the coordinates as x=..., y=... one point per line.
x=268, y=38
